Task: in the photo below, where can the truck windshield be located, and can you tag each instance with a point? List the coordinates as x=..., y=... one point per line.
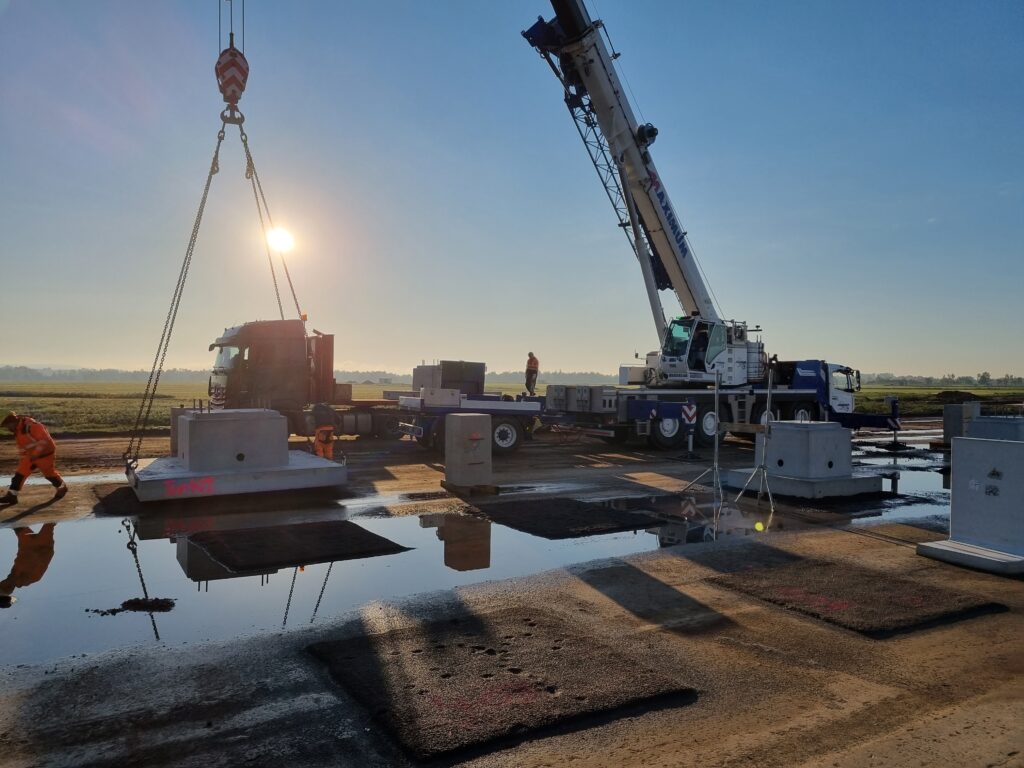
x=226, y=358
x=677, y=339
x=842, y=380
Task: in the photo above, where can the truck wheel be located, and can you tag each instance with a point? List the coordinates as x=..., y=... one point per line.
x=386, y=427
x=667, y=434
x=804, y=412
x=707, y=425
x=506, y=435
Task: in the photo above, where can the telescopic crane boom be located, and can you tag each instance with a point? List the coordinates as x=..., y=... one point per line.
x=694, y=348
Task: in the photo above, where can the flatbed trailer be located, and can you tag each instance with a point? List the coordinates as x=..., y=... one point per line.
x=512, y=420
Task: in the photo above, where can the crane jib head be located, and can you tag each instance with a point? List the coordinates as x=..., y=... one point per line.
x=677, y=232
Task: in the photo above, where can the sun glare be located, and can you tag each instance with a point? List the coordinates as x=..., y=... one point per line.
x=280, y=240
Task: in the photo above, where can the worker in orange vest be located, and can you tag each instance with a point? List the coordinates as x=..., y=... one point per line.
x=323, y=437
x=532, y=368
x=35, y=551
x=36, y=450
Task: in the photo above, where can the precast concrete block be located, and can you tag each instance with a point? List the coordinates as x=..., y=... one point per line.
x=240, y=439
x=809, y=450
x=467, y=449
x=986, y=519
x=956, y=417
x=175, y=413
x=440, y=397
x=996, y=428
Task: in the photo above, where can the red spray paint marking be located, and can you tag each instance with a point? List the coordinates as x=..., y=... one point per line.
x=200, y=486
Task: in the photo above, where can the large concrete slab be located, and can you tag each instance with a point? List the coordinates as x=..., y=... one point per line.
x=874, y=603
x=170, y=478
x=469, y=680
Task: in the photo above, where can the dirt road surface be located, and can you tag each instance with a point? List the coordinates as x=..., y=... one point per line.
x=774, y=687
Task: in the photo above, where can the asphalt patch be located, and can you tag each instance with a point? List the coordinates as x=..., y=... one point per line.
x=485, y=680
x=565, y=518
x=873, y=603
x=282, y=546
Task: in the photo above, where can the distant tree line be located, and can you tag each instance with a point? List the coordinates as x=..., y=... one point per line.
x=13, y=373
x=983, y=379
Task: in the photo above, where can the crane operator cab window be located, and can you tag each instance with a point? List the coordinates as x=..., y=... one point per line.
x=677, y=340
x=695, y=360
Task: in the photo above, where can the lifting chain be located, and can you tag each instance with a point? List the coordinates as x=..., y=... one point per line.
x=288, y=605
x=133, y=547
x=321, y=595
x=131, y=454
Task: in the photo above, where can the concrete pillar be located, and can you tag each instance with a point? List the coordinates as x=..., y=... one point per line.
x=467, y=449
x=955, y=419
x=808, y=450
x=242, y=439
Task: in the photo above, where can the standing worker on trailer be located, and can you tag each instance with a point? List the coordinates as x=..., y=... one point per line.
x=37, y=451
x=532, y=368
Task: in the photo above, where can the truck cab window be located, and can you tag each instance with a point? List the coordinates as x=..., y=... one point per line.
x=227, y=358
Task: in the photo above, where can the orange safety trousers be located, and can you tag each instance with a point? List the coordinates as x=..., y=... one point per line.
x=323, y=443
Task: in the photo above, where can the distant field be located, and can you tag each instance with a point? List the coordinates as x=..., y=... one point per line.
x=94, y=407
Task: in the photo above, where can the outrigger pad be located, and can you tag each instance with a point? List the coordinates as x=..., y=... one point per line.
x=283, y=546
x=471, y=680
x=872, y=603
x=565, y=518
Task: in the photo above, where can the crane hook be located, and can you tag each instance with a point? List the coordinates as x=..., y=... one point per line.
x=232, y=70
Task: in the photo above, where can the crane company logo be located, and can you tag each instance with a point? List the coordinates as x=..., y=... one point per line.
x=666, y=207
x=804, y=371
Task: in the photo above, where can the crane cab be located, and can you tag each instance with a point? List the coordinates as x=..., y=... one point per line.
x=696, y=350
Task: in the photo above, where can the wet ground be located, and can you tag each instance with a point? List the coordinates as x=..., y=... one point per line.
x=447, y=544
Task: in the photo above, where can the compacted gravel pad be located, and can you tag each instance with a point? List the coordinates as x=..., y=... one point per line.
x=873, y=603
x=466, y=681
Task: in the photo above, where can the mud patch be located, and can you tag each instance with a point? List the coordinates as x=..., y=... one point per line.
x=137, y=605
x=477, y=680
x=873, y=603
x=283, y=546
x=565, y=518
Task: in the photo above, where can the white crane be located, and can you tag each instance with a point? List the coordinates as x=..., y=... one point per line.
x=695, y=348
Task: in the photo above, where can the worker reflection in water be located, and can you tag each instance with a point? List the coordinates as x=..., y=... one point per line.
x=532, y=368
x=36, y=450
x=35, y=551
x=323, y=437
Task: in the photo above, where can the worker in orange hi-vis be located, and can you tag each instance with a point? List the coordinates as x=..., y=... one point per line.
x=532, y=368
x=36, y=450
x=323, y=437
x=35, y=551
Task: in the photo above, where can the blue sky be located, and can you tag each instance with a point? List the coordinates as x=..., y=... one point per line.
x=851, y=175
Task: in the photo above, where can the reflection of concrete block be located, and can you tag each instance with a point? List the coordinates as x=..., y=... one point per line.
x=467, y=449
x=242, y=439
x=996, y=428
x=986, y=519
x=810, y=450
x=955, y=419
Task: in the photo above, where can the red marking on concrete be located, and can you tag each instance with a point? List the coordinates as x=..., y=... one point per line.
x=200, y=486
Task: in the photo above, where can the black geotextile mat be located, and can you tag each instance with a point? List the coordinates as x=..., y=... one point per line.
x=120, y=500
x=280, y=546
x=565, y=518
x=473, y=680
x=873, y=603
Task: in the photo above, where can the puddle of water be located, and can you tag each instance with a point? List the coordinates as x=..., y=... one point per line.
x=923, y=487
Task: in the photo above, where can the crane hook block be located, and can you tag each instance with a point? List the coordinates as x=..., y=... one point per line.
x=232, y=72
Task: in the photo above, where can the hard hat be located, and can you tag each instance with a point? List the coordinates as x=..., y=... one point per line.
x=9, y=419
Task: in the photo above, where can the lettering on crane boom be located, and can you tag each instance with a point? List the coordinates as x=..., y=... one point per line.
x=677, y=232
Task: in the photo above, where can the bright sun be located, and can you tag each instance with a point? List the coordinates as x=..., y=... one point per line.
x=280, y=240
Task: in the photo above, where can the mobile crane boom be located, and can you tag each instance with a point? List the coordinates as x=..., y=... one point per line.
x=694, y=349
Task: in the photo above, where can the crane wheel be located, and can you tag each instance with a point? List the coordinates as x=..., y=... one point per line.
x=506, y=435
x=667, y=434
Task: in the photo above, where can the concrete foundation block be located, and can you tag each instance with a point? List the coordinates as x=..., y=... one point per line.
x=442, y=397
x=809, y=450
x=467, y=449
x=243, y=439
x=170, y=479
x=175, y=413
x=956, y=417
x=986, y=518
x=806, y=488
x=996, y=428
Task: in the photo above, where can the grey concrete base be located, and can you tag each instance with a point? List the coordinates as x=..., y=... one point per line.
x=972, y=556
x=822, y=488
x=170, y=478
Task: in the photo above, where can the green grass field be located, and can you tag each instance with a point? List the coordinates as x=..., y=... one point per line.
x=98, y=407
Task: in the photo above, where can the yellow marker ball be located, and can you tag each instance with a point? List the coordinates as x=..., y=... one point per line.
x=758, y=526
